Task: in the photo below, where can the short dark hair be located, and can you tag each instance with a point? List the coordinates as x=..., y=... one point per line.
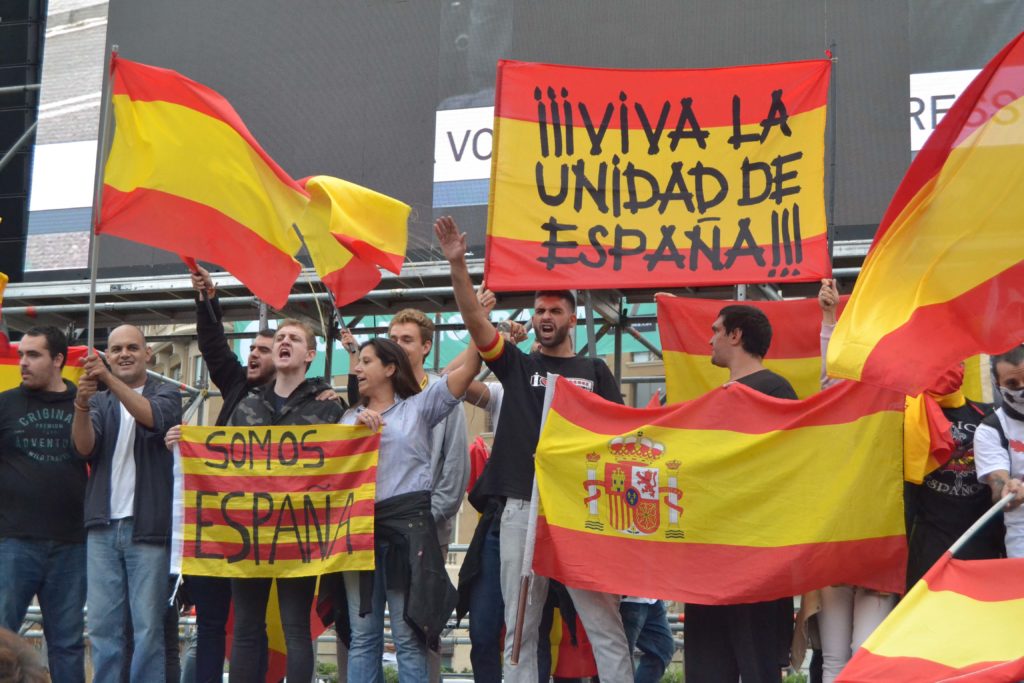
x=563, y=294
x=56, y=340
x=266, y=332
x=757, y=331
x=1014, y=356
x=390, y=353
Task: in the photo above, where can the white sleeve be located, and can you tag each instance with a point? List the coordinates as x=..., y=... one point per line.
x=989, y=454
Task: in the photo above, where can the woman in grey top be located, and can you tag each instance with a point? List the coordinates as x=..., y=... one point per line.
x=410, y=572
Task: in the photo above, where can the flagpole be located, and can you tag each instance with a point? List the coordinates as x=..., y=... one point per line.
x=982, y=521
x=531, y=534
x=97, y=201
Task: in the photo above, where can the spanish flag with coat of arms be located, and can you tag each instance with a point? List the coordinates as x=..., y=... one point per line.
x=733, y=497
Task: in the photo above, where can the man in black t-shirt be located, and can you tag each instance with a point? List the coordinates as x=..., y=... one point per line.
x=727, y=642
x=42, y=493
x=510, y=471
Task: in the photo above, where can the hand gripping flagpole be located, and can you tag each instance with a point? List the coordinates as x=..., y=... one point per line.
x=982, y=521
x=102, y=149
x=531, y=534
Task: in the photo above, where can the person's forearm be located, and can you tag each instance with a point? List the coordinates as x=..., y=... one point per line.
x=136, y=404
x=473, y=314
x=460, y=379
x=996, y=481
x=82, y=433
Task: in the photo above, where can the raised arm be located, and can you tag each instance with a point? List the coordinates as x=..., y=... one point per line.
x=82, y=433
x=134, y=402
x=460, y=378
x=453, y=244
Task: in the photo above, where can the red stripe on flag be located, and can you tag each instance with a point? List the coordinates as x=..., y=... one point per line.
x=838, y=405
x=170, y=221
x=144, y=83
x=984, y=580
x=981, y=310
x=715, y=574
x=867, y=667
x=962, y=119
x=312, y=483
x=352, y=282
x=284, y=550
x=804, y=85
x=685, y=325
x=509, y=258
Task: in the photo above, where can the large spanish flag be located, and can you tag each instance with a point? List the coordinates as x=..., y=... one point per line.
x=733, y=497
x=947, y=262
x=961, y=622
x=185, y=174
x=685, y=327
x=280, y=501
x=657, y=177
x=351, y=232
x=10, y=374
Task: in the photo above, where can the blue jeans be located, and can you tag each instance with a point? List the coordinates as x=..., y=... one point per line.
x=126, y=579
x=487, y=611
x=647, y=628
x=367, y=648
x=55, y=572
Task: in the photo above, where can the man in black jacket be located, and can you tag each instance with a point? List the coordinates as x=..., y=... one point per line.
x=42, y=489
x=127, y=504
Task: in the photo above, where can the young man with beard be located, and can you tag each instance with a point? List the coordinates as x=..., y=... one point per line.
x=727, y=642
x=510, y=471
x=999, y=446
x=288, y=399
x=42, y=486
x=127, y=504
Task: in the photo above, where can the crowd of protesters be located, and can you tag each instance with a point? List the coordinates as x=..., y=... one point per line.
x=86, y=490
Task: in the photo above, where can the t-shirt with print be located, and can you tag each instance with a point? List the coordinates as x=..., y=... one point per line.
x=42, y=479
x=524, y=380
x=990, y=455
x=950, y=500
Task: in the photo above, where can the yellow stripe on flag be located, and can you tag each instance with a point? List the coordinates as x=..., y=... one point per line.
x=167, y=145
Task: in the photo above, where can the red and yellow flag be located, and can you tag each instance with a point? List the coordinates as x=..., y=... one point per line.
x=961, y=622
x=945, y=276
x=281, y=501
x=185, y=174
x=657, y=178
x=733, y=497
x=685, y=327
x=10, y=374
x=350, y=232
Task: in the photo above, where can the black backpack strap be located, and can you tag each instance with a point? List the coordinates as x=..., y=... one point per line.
x=992, y=420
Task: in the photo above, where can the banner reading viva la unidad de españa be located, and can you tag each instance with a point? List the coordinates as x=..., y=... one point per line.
x=646, y=178
x=280, y=501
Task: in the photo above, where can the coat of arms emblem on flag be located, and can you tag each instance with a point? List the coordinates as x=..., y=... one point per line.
x=633, y=483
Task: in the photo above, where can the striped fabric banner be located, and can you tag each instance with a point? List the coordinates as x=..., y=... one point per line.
x=685, y=327
x=947, y=262
x=10, y=374
x=961, y=622
x=185, y=174
x=734, y=497
x=657, y=178
x=365, y=231
x=281, y=501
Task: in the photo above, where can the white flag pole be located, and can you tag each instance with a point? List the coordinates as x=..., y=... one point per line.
x=992, y=512
x=97, y=197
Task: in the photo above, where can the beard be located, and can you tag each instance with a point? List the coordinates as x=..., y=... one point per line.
x=557, y=337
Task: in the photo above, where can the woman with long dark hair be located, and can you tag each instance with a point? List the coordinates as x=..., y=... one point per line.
x=410, y=574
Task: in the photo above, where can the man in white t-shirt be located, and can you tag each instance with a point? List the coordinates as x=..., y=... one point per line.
x=999, y=446
x=127, y=505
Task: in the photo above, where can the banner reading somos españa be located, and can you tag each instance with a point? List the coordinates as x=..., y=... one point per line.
x=647, y=178
x=280, y=501
x=734, y=497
